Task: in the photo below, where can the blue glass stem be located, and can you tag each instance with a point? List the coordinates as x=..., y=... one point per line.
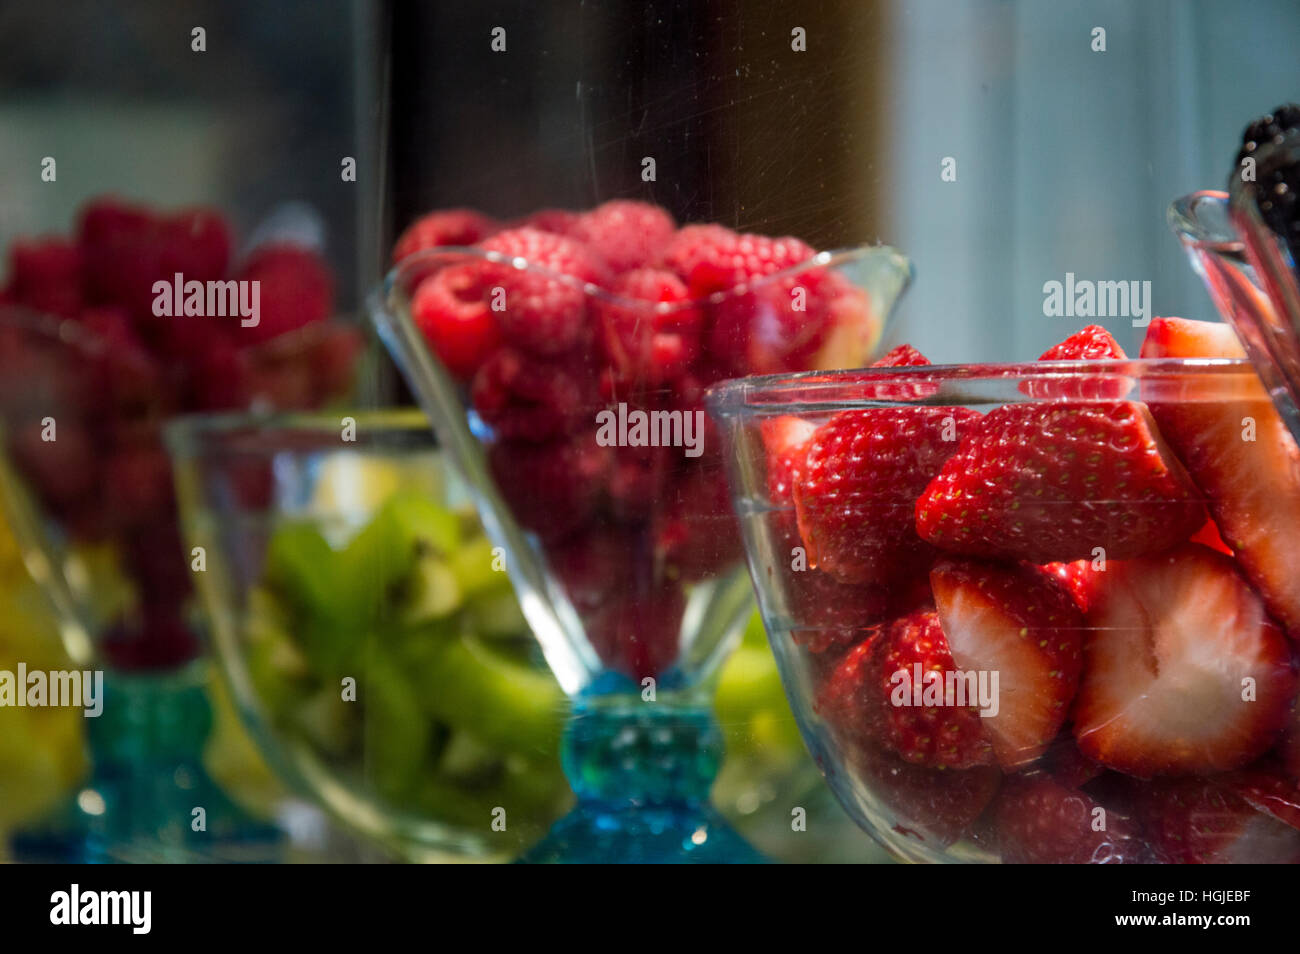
x=642, y=771
x=147, y=779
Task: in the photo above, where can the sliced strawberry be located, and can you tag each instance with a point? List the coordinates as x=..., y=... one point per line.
x=1183, y=669
x=1040, y=821
x=1201, y=821
x=1092, y=343
x=1066, y=764
x=1209, y=536
x=872, y=696
x=903, y=356
x=1053, y=481
x=1017, y=623
x=863, y=471
x=1252, y=485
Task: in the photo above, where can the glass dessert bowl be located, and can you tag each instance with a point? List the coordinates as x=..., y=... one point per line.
x=368, y=632
x=1037, y=612
x=565, y=379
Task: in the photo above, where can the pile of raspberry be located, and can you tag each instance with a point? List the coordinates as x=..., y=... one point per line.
x=89, y=372
x=619, y=306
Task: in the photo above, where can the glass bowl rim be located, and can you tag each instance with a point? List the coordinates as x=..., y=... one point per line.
x=394, y=279
x=778, y=393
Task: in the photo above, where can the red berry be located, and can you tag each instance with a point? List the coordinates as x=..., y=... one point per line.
x=1174, y=642
x=696, y=535
x=296, y=289
x=546, y=302
x=1093, y=343
x=904, y=356
x=1056, y=480
x=636, y=632
x=196, y=243
x=929, y=805
x=710, y=258
x=552, y=489
x=523, y=398
x=863, y=471
x=123, y=254
x=1040, y=821
x=781, y=325
x=866, y=698
x=451, y=308
x=446, y=227
x=45, y=275
x=650, y=334
x=625, y=233
x=1202, y=821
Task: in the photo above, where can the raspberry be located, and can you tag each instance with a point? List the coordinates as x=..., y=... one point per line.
x=296, y=290
x=45, y=274
x=625, y=233
x=562, y=486
x=652, y=343
x=559, y=221
x=545, y=311
x=122, y=252
x=696, y=535
x=461, y=227
x=779, y=326
x=196, y=243
x=711, y=258
x=638, y=480
x=522, y=398
x=451, y=308
x=636, y=631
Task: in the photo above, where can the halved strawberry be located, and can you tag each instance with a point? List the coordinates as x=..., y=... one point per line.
x=1092, y=343
x=871, y=697
x=1017, y=623
x=863, y=471
x=1077, y=577
x=1184, y=671
x=1201, y=821
x=1041, y=821
x=1245, y=461
x=1054, y=481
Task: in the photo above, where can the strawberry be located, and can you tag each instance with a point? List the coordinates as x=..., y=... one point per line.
x=1288, y=747
x=1092, y=343
x=625, y=233
x=903, y=356
x=828, y=616
x=650, y=332
x=870, y=696
x=545, y=303
x=928, y=804
x=296, y=288
x=451, y=309
x=1053, y=481
x=1016, y=622
x=1067, y=765
x=1209, y=536
x=863, y=472
x=1040, y=821
x=1183, y=669
x=1202, y=821
x=1077, y=577
x=1243, y=458
x=785, y=440
x=445, y=227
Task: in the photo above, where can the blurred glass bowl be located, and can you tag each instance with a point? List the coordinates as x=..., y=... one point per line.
x=368, y=631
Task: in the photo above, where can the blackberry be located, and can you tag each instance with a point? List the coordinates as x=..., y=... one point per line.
x=1277, y=176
